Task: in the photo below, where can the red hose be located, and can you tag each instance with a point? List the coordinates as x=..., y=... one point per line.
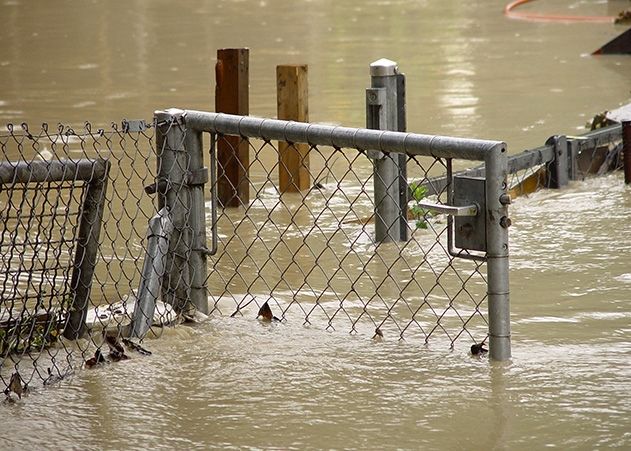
x=538, y=17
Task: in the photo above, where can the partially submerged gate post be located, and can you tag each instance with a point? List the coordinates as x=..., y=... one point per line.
x=497, y=223
x=180, y=180
x=385, y=110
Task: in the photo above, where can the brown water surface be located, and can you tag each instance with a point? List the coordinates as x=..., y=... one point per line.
x=237, y=383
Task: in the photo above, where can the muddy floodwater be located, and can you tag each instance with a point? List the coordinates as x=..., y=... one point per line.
x=237, y=383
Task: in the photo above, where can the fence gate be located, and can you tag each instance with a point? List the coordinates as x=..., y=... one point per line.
x=313, y=254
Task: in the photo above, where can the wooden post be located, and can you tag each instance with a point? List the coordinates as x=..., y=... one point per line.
x=293, y=105
x=232, y=97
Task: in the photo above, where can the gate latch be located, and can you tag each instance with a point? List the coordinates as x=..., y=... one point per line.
x=468, y=210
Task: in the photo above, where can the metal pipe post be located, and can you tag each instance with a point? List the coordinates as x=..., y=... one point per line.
x=403, y=158
x=558, y=167
x=626, y=150
x=197, y=178
x=173, y=167
x=153, y=269
x=497, y=223
x=381, y=113
x=86, y=253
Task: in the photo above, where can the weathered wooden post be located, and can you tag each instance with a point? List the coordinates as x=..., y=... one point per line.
x=390, y=180
x=232, y=97
x=293, y=105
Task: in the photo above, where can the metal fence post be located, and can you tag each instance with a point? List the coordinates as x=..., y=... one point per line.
x=626, y=150
x=153, y=269
x=197, y=178
x=403, y=167
x=173, y=168
x=390, y=183
x=86, y=253
x=497, y=223
x=558, y=168
x=572, y=151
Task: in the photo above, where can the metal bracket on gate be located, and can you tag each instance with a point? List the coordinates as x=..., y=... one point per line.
x=134, y=126
x=197, y=177
x=466, y=217
x=376, y=99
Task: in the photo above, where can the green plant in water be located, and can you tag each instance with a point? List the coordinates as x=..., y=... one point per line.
x=420, y=214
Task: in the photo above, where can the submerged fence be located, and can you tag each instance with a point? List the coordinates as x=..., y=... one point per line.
x=356, y=230
x=314, y=255
x=73, y=221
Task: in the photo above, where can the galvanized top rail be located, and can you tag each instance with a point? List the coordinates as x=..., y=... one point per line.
x=52, y=171
x=339, y=137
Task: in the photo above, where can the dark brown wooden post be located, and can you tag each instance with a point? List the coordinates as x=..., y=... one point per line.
x=232, y=97
x=293, y=105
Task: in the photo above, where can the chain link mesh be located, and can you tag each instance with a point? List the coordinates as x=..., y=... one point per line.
x=312, y=256
x=39, y=242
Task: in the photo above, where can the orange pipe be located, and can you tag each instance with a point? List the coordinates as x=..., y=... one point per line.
x=538, y=17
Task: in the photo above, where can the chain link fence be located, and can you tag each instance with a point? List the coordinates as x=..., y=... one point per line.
x=52, y=290
x=307, y=255
x=312, y=255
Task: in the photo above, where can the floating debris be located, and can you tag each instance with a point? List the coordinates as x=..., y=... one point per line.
x=117, y=350
x=478, y=349
x=15, y=386
x=136, y=347
x=624, y=17
x=265, y=313
x=98, y=359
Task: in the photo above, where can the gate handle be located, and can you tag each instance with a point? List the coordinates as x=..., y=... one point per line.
x=466, y=210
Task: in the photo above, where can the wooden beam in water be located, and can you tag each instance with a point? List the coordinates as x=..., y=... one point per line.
x=620, y=45
x=293, y=105
x=233, y=153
